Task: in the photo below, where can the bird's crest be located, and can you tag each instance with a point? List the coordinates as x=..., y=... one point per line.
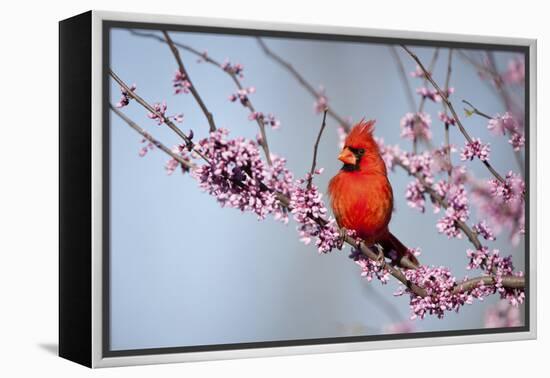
x=361, y=133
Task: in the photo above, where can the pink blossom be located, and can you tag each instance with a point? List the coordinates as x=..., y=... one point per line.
x=475, y=149
x=172, y=164
x=125, y=96
x=499, y=125
x=321, y=102
x=484, y=230
x=515, y=74
x=181, y=83
x=416, y=126
x=235, y=173
x=502, y=315
x=371, y=269
x=418, y=72
x=406, y=326
x=269, y=120
x=159, y=114
x=517, y=141
x=458, y=210
x=242, y=95
x=235, y=69
x=307, y=208
x=146, y=147
x=446, y=119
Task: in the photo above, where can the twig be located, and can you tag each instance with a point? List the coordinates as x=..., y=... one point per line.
x=404, y=78
x=259, y=120
x=472, y=236
x=156, y=143
x=453, y=112
x=152, y=110
x=192, y=89
x=447, y=136
x=314, y=162
x=431, y=68
x=517, y=154
x=345, y=125
x=475, y=110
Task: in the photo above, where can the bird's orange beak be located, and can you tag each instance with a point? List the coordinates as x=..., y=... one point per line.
x=347, y=157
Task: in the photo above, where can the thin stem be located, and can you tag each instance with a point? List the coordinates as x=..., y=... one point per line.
x=404, y=78
x=447, y=136
x=155, y=142
x=315, y=148
x=259, y=120
x=431, y=67
x=453, y=112
x=475, y=110
x=192, y=89
x=152, y=110
x=345, y=125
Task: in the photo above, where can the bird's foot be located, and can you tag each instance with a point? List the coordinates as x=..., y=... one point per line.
x=381, y=258
x=343, y=233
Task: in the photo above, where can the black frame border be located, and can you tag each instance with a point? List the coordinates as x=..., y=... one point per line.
x=107, y=25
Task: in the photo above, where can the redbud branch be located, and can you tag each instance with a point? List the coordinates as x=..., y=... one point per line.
x=447, y=137
x=192, y=88
x=290, y=68
x=453, y=112
x=472, y=236
x=423, y=99
x=404, y=78
x=475, y=110
x=156, y=143
x=152, y=110
x=315, y=148
x=259, y=120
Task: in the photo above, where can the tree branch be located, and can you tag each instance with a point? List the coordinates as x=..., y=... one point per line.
x=404, y=78
x=156, y=143
x=453, y=112
x=314, y=162
x=345, y=125
x=152, y=110
x=192, y=89
x=259, y=120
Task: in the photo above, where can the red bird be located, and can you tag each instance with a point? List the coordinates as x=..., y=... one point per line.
x=362, y=197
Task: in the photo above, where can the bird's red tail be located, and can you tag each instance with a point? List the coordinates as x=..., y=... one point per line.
x=398, y=252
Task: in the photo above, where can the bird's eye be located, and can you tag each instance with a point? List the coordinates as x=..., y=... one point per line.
x=361, y=151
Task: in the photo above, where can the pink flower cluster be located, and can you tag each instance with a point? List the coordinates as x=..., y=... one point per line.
x=475, y=149
x=446, y=119
x=500, y=125
x=269, y=119
x=416, y=126
x=484, y=230
x=235, y=173
x=493, y=264
x=171, y=165
x=181, y=83
x=308, y=207
x=242, y=95
x=371, y=269
x=418, y=72
x=458, y=210
x=125, y=96
x=146, y=147
x=321, y=102
x=236, y=69
x=160, y=114
x=503, y=204
x=432, y=94
x=515, y=74
x=502, y=315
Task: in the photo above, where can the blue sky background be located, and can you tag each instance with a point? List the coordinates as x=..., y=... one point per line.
x=186, y=272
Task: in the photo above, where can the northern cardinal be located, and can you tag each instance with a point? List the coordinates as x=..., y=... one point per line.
x=362, y=197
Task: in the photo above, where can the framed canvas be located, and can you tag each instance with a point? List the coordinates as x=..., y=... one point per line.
x=234, y=189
